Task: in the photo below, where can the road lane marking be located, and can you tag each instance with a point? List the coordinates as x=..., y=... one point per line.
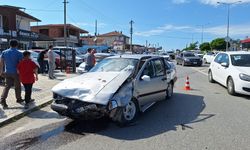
x=199, y=71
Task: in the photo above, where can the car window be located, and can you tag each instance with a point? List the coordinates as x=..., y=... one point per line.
x=242, y=60
x=218, y=58
x=168, y=66
x=225, y=59
x=159, y=68
x=149, y=70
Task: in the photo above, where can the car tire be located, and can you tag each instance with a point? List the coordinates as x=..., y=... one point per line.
x=210, y=77
x=170, y=90
x=127, y=114
x=230, y=86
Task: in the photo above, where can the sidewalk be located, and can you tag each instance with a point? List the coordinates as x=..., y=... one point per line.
x=41, y=93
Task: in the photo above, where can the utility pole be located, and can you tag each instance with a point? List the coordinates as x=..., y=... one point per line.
x=65, y=22
x=228, y=20
x=202, y=31
x=131, y=35
x=95, y=33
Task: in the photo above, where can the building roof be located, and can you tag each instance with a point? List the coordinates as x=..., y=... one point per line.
x=245, y=41
x=61, y=26
x=113, y=33
x=19, y=12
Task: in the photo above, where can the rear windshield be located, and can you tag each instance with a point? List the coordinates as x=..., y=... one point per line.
x=242, y=60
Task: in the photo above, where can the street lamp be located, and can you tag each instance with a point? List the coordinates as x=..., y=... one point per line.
x=228, y=19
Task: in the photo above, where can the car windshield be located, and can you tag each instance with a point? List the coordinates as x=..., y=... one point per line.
x=189, y=55
x=242, y=60
x=114, y=65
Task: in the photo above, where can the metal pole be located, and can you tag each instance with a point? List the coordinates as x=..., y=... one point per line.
x=95, y=32
x=131, y=36
x=228, y=21
x=65, y=21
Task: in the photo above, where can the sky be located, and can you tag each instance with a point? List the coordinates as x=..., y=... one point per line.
x=172, y=24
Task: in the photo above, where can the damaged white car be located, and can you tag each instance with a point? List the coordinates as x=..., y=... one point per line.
x=118, y=87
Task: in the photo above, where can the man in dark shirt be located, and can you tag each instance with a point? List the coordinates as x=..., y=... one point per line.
x=9, y=60
x=41, y=61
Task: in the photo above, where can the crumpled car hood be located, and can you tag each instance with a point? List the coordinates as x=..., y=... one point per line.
x=92, y=87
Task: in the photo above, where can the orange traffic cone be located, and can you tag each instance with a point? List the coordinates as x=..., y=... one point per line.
x=187, y=85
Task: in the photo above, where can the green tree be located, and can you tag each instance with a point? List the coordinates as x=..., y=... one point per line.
x=218, y=44
x=205, y=46
x=192, y=46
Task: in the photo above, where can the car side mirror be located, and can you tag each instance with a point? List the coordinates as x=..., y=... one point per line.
x=224, y=65
x=146, y=78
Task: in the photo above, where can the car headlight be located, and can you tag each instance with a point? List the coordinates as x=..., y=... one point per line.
x=186, y=59
x=112, y=105
x=244, y=77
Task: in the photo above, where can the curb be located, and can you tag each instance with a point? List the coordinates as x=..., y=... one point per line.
x=20, y=115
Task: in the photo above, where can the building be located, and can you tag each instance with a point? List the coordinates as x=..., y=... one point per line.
x=245, y=44
x=15, y=23
x=56, y=31
x=116, y=40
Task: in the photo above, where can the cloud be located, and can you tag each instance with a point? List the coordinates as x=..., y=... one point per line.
x=235, y=30
x=161, y=30
x=214, y=2
x=180, y=1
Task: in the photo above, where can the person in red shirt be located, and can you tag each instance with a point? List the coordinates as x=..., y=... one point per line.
x=28, y=74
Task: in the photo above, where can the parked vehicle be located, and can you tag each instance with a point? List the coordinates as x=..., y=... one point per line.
x=33, y=56
x=199, y=54
x=232, y=70
x=188, y=58
x=67, y=54
x=171, y=54
x=208, y=57
x=58, y=60
x=98, y=56
x=118, y=87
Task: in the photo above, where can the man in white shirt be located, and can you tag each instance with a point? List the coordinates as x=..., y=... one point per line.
x=51, y=57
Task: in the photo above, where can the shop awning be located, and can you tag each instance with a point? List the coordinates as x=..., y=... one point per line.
x=245, y=41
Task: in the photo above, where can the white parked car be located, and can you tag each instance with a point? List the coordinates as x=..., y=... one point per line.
x=33, y=56
x=98, y=57
x=232, y=70
x=209, y=57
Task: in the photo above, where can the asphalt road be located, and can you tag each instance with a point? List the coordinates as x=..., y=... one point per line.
x=204, y=118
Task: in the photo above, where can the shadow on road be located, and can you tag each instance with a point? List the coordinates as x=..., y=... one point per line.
x=181, y=111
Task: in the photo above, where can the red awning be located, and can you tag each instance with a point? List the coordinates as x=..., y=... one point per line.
x=245, y=41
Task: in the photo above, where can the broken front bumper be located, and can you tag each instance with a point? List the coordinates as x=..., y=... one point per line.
x=79, y=110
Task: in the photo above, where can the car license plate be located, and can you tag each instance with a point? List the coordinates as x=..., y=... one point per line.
x=195, y=63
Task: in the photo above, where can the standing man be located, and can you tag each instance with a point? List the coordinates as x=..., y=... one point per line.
x=9, y=61
x=90, y=59
x=51, y=57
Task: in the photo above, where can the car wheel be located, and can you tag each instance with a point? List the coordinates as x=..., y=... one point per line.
x=230, y=86
x=170, y=91
x=127, y=114
x=210, y=77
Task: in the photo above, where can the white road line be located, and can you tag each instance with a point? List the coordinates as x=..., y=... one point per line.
x=199, y=71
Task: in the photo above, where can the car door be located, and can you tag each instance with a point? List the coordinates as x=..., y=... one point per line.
x=155, y=89
x=223, y=71
x=215, y=66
